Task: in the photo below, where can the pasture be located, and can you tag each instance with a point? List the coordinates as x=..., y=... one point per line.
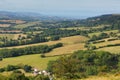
x=65, y=41
x=115, y=49
x=71, y=44
x=97, y=33
x=11, y=36
x=104, y=77
x=33, y=60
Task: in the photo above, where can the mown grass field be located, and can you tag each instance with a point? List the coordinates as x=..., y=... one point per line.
x=71, y=44
x=33, y=60
x=97, y=33
x=107, y=43
x=66, y=41
x=115, y=49
x=104, y=77
x=11, y=36
x=21, y=26
x=84, y=28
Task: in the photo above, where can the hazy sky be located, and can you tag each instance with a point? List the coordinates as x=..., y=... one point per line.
x=63, y=7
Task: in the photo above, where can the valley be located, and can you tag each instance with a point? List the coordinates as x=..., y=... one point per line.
x=92, y=44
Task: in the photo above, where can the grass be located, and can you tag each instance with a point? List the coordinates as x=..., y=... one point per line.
x=65, y=41
x=25, y=25
x=107, y=43
x=66, y=49
x=104, y=77
x=34, y=60
x=97, y=33
x=115, y=49
x=83, y=28
x=71, y=44
x=11, y=36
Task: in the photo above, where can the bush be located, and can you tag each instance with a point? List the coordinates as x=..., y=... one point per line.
x=11, y=68
x=2, y=69
x=54, y=38
x=27, y=68
x=41, y=77
x=1, y=59
x=112, y=39
x=17, y=75
x=42, y=55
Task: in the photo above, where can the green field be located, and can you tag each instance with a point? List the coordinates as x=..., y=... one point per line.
x=115, y=49
x=71, y=44
x=97, y=33
x=66, y=41
x=84, y=28
x=104, y=77
x=11, y=36
x=33, y=60
x=21, y=26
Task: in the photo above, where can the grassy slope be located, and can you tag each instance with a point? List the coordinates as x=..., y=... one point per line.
x=21, y=26
x=115, y=49
x=11, y=36
x=70, y=44
x=65, y=41
x=83, y=28
x=104, y=77
x=107, y=42
x=34, y=60
x=97, y=33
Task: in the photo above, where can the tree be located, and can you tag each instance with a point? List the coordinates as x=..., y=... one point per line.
x=41, y=77
x=27, y=68
x=54, y=38
x=17, y=75
x=1, y=58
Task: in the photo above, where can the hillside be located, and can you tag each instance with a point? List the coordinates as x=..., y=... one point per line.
x=28, y=16
x=35, y=40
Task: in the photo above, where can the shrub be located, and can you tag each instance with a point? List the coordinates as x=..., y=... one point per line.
x=42, y=55
x=27, y=68
x=11, y=68
x=17, y=75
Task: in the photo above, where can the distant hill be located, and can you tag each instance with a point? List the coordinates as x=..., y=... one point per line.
x=103, y=19
x=26, y=16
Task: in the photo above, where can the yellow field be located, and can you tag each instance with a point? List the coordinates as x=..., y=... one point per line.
x=107, y=42
x=66, y=49
x=115, y=49
x=33, y=60
x=65, y=41
x=84, y=28
x=71, y=44
x=21, y=26
x=97, y=33
x=104, y=77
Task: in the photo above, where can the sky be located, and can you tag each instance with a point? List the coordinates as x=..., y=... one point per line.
x=71, y=8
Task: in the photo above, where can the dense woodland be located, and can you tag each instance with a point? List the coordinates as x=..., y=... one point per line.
x=85, y=63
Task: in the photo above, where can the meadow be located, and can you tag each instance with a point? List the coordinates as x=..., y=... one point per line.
x=104, y=77
x=71, y=44
x=115, y=49
x=11, y=36
x=66, y=41
x=97, y=33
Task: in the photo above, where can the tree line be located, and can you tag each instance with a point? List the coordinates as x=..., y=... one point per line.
x=4, y=53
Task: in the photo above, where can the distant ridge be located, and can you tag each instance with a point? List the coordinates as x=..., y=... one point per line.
x=27, y=16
